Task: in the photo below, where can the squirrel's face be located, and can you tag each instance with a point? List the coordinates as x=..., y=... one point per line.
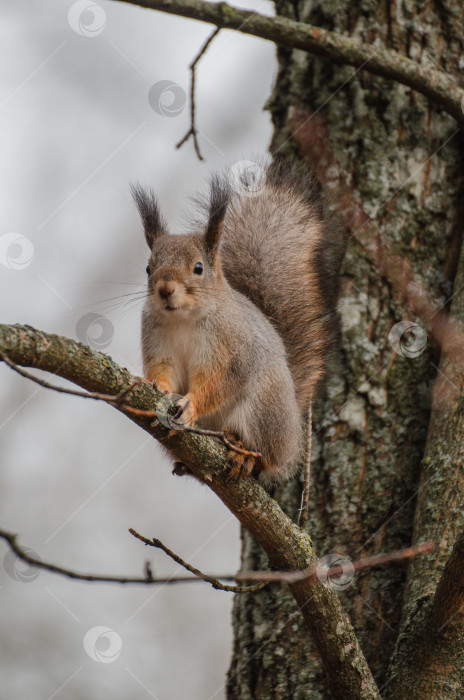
x=180, y=275
x=184, y=271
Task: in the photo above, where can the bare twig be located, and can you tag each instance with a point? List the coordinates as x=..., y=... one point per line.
x=39, y=564
x=304, y=506
x=117, y=401
x=223, y=437
x=199, y=574
x=193, y=129
x=148, y=579
x=262, y=577
x=95, y=395
x=312, y=573
x=434, y=84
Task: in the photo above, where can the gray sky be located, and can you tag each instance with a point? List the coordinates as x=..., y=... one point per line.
x=76, y=127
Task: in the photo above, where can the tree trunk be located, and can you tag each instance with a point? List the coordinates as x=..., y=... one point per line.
x=389, y=163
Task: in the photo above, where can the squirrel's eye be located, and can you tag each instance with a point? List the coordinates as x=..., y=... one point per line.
x=198, y=269
x=147, y=269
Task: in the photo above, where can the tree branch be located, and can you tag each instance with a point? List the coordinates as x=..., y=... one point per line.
x=287, y=547
x=434, y=84
x=449, y=596
x=213, y=580
x=336, y=570
x=428, y=659
x=429, y=651
x=118, y=401
x=263, y=577
x=148, y=579
x=193, y=131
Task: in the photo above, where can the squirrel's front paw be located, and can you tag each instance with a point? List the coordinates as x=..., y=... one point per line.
x=186, y=413
x=162, y=385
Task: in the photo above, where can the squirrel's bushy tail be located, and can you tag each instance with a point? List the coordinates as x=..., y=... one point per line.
x=277, y=250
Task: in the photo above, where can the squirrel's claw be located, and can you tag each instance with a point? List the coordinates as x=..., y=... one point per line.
x=241, y=465
x=186, y=411
x=182, y=408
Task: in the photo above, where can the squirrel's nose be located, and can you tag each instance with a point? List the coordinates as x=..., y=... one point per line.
x=166, y=290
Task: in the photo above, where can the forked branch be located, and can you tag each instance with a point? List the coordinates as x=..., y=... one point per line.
x=193, y=131
x=263, y=577
x=34, y=561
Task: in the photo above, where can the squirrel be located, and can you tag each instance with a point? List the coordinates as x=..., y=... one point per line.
x=240, y=315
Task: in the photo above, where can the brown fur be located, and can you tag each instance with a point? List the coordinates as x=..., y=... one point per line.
x=277, y=250
x=244, y=342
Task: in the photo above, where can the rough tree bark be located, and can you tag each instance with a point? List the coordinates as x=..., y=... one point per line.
x=378, y=148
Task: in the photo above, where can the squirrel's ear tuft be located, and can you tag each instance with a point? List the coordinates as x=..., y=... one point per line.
x=147, y=204
x=219, y=199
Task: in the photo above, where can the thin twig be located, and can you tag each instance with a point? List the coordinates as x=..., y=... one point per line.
x=221, y=436
x=303, y=511
x=35, y=561
x=148, y=579
x=314, y=572
x=193, y=131
x=117, y=401
x=198, y=431
x=204, y=577
x=262, y=577
x=95, y=395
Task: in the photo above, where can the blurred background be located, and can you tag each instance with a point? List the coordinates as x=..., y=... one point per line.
x=94, y=96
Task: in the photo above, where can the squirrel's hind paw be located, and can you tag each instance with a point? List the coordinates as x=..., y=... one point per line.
x=241, y=465
x=181, y=469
